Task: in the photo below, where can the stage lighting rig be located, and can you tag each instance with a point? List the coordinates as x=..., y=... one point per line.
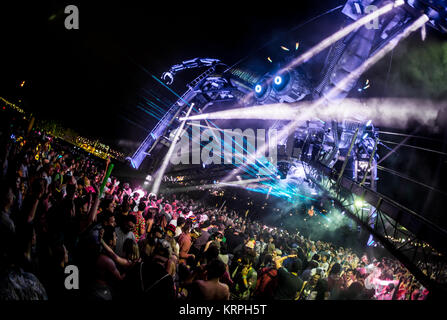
x=436, y=10
x=288, y=86
x=168, y=76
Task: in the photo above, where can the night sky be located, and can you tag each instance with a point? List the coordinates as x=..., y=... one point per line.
x=90, y=79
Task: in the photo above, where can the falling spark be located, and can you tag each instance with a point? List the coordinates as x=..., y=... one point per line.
x=284, y=48
x=297, y=45
x=268, y=58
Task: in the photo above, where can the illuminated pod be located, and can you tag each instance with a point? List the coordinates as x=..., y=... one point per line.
x=263, y=90
x=291, y=86
x=278, y=80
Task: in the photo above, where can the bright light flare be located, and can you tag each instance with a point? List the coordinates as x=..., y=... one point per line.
x=359, y=203
x=278, y=80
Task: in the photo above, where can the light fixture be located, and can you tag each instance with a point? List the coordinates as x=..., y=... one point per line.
x=278, y=80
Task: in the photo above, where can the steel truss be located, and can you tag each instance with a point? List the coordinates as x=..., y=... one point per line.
x=416, y=242
x=162, y=126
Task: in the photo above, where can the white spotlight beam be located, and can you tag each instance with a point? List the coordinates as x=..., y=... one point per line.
x=164, y=165
x=238, y=183
x=420, y=22
x=395, y=112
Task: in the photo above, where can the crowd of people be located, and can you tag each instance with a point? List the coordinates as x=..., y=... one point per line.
x=128, y=243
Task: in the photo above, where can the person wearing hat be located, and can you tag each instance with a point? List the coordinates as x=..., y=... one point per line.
x=170, y=232
x=245, y=278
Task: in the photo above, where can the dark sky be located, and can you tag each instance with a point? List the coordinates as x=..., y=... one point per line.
x=90, y=79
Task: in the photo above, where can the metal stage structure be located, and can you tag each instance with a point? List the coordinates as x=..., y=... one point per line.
x=339, y=157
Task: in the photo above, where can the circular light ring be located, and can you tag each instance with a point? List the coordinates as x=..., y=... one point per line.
x=262, y=89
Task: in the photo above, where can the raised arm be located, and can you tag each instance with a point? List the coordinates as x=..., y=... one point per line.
x=279, y=261
x=119, y=260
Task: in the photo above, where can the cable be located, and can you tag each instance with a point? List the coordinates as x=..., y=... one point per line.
x=410, y=179
x=408, y=135
x=389, y=69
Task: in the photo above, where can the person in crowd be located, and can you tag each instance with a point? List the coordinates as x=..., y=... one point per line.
x=140, y=225
x=335, y=281
x=172, y=246
x=267, y=280
x=211, y=288
x=244, y=277
x=185, y=242
x=156, y=283
x=199, y=245
x=106, y=272
x=7, y=225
